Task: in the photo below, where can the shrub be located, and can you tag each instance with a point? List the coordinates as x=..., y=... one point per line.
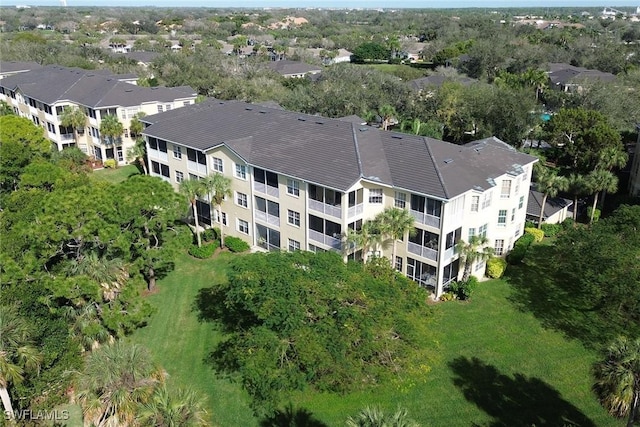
x=520, y=249
x=236, y=244
x=464, y=290
x=551, y=230
x=596, y=214
x=525, y=240
x=537, y=234
x=209, y=235
x=110, y=164
x=529, y=224
x=568, y=224
x=447, y=296
x=496, y=267
x=204, y=251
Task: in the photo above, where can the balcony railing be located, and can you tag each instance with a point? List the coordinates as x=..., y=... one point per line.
x=318, y=237
x=355, y=210
x=66, y=136
x=266, y=189
x=426, y=219
x=269, y=219
x=158, y=155
x=449, y=252
x=268, y=246
x=422, y=251
x=335, y=211
x=196, y=167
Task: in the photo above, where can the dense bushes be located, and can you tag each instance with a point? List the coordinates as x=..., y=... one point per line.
x=235, y=244
x=520, y=248
x=204, y=251
x=210, y=234
x=596, y=214
x=551, y=230
x=464, y=290
x=110, y=164
x=537, y=234
x=496, y=267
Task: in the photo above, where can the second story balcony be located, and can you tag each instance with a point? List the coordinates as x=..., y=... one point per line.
x=265, y=182
x=325, y=200
x=422, y=251
x=426, y=219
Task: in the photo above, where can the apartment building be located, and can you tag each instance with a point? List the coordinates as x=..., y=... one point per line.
x=300, y=181
x=42, y=93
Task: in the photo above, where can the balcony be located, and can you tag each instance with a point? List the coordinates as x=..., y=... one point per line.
x=266, y=189
x=422, y=251
x=157, y=155
x=335, y=211
x=426, y=219
x=66, y=137
x=449, y=252
x=355, y=210
x=196, y=167
x=269, y=219
x=317, y=237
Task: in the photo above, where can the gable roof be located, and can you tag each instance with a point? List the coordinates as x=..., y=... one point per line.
x=95, y=89
x=561, y=74
x=12, y=67
x=336, y=153
x=287, y=68
x=552, y=206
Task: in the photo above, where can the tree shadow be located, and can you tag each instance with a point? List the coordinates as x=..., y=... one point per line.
x=292, y=417
x=210, y=306
x=542, y=289
x=514, y=402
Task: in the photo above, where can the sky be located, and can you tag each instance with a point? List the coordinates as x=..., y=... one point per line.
x=386, y=4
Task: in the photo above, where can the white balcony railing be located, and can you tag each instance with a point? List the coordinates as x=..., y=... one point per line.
x=449, y=252
x=269, y=219
x=196, y=167
x=335, y=211
x=66, y=136
x=158, y=155
x=318, y=237
x=266, y=189
x=355, y=210
x=422, y=251
x=426, y=219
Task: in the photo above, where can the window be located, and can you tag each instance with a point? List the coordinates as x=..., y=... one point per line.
x=179, y=177
x=293, y=187
x=293, y=218
x=425, y=274
x=119, y=154
x=217, y=217
x=267, y=206
x=480, y=266
x=517, y=233
x=472, y=233
x=513, y=214
x=294, y=245
x=453, y=238
x=243, y=226
x=428, y=206
x=265, y=177
x=51, y=127
x=400, y=202
x=375, y=195
x=475, y=202
x=502, y=217
x=241, y=171
x=160, y=109
x=217, y=165
x=398, y=264
x=521, y=202
x=241, y=199
x=499, y=247
x=517, y=190
x=158, y=144
x=486, y=201
x=160, y=169
x=425, y=239
x=177, y=152
x=505, y=192
x=482, y=231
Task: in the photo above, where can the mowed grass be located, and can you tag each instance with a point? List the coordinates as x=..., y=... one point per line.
x=495, y=364
x=117, y=175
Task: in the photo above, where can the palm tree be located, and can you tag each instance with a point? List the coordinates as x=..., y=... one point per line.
x=395, y=223
x=175, y=407
x=617, y=378
x=135, y=125
x=387, y=112
x=367, y=238
x=138, y=152
x=577, y=185
x=111, y=130
x=475, y=250
x=117, y=379
x=192, y=189
x=611, y=158
x=600, y=180
x=374, y=417
x=17, y=353
x=73, y=117
x=218, y=187
x=111, y=273
x=86, y=325
x=548, y=183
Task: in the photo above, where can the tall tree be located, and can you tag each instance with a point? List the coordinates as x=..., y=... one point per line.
x=475, y=250
x=395, y=223
x=577, y=185
x=617, y=378
x=138, y=152
x=600, y=180
x=17, y=353
x=111, y=130
x=73, y=117
x=549, y=183
x=218, y=187
x=387, y=114
x=117, y=379
x=192, y=189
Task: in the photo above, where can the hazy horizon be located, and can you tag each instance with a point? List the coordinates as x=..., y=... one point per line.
x=366, y=4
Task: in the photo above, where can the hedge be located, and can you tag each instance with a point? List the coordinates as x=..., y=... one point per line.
x=551, y=230
x=496, y=267
x=236, y=244
x=520, y=248
x=537, y=234
x=204, y=251
x=209, y=235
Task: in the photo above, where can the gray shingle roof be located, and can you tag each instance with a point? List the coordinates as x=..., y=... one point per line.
x=337, y=153
x=52, y=83
x=17, y=66
x=551, y=207
x=286, y=67
x=565, y=73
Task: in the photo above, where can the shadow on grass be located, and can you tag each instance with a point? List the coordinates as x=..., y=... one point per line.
x=513, y=402
x=540, y=288
x=292, y=417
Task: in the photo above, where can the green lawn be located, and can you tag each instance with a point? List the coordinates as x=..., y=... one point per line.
x=117, y=175
x=496, y=364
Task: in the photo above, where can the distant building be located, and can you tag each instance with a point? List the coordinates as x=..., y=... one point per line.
x=293, y=69
x=567, y=78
